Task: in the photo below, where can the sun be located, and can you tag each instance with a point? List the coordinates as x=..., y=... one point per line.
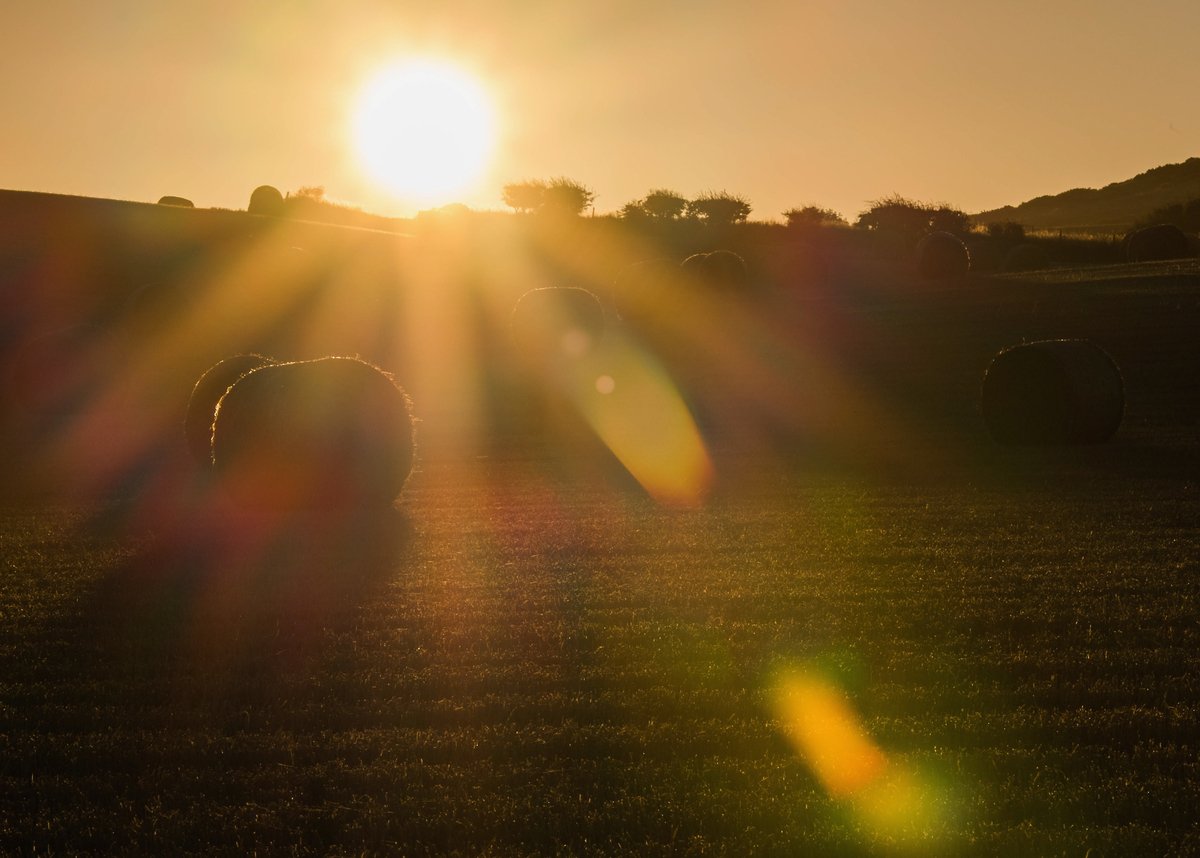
x=424, y=130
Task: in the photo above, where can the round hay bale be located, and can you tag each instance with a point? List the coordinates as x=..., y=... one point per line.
x=202, y=406
x=941, y=255
x=181, y=202
x=266, y=200
x=1053, y=392
x=694, y=264
x=557, y=322
x=336, y=432
x=1156, y=243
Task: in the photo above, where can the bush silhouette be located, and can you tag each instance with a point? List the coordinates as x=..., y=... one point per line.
x=559, y=196
x=812, y=217
x=719, y=209
x=181, y=202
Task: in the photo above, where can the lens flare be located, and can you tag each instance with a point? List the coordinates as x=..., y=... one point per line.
x=890, y=797
x=631, y=403
x=625, y=395
x=817, y=719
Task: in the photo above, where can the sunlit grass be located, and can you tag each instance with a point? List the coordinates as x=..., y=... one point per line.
x=537, y=668
x=994, y=655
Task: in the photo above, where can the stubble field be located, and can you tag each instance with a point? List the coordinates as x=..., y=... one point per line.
x=525, y=657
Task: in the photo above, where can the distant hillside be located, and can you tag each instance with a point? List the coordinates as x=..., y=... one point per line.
x=1113, y=208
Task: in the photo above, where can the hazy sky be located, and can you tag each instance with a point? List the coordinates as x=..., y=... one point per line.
x=788, y=103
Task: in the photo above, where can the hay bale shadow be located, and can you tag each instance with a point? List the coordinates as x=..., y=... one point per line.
x=223, y=591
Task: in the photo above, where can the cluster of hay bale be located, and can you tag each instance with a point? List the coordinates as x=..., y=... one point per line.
x=722, y=269
x=1053, y=392
x=336, y=432
x=942, y=255
x=202, y=406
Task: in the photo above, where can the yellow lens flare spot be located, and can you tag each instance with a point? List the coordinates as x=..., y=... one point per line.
x=424, y=129
x=817, y=720
x=639, y=414
x=576, y=342
x=890, y=797
x=625, y=396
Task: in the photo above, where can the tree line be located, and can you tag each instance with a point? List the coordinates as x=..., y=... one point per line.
x=890, y=215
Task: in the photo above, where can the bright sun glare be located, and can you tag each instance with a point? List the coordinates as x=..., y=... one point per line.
x=424, y=130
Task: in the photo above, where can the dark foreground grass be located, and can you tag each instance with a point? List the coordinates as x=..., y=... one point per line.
x=515, y=663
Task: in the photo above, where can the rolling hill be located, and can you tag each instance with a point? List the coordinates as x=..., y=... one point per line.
x=1112, y=209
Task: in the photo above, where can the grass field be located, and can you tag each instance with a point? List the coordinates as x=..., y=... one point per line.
x=882, y=634
x=518, y=664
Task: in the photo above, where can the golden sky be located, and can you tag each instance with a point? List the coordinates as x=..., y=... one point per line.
x=784, y=102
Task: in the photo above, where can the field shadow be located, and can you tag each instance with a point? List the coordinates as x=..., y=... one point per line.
x=222, y=592
x=1132, y=457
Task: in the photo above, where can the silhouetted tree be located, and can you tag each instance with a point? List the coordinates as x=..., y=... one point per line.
x=663, y=204
x=946, y=219
x=524, y=197
x=560, y=196
x=564, y=196
x=719, y=209
x=896, y=216
x=312, y=192
x=181, y=202
x=811, y=217
x=1186, y=216
x=266, y=200
x=634, y=211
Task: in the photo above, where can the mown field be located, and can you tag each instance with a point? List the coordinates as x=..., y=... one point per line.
x=511, y=665
x=880, y=633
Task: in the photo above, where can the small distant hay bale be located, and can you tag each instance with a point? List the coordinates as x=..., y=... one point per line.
x=333, y=433
x=553, y=323
x=266, y=200
x=1053, y=392
x=202, y=406
x=941, y=255
x=722, y=269
x=181, y=202
x=1157, y=243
